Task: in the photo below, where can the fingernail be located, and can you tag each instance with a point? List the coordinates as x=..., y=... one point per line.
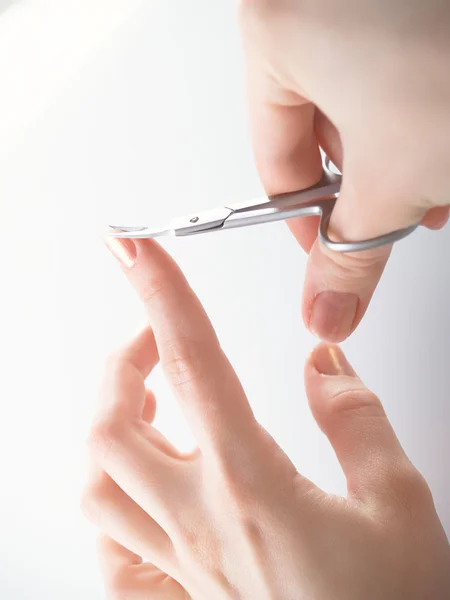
x=330, y=360
x=124, y=250
x=442, y=223
x=332, y=315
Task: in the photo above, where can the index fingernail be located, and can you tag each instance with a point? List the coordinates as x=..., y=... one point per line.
x=124, y=250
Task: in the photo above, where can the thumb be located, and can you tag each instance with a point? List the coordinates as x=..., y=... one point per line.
x=338, y=289
x=356, y=425
x=339, y=286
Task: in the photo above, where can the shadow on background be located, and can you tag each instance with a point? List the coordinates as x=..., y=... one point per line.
x=5, y=4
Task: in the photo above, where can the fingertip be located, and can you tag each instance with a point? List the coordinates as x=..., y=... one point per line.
x=123, y=250
x=139, y=256
x=149, y=247
x=332, y=315
x=329, y=359
x=436, y=218
x=328, y=374
x=142, y=352
x=338, y=289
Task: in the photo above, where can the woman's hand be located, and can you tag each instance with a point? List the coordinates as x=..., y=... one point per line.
x=234, y=519
x=370, y=81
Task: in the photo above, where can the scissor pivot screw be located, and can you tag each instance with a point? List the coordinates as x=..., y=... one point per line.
x=194, y=220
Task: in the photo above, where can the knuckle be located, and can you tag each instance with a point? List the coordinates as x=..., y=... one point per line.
x=410, y=494
x=355, y=403
x=104, y=436
x=239, y=495
x=183, y=366
x=355, y=265
x=239, y=484
x=227, y=489
x=152, y=288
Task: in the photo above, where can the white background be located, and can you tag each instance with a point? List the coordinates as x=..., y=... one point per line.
x=145, y=122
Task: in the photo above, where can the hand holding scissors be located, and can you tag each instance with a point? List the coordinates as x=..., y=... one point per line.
x=371, y=86
x=369, y=82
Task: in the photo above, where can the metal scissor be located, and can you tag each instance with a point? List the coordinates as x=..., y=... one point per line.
x=316, y=200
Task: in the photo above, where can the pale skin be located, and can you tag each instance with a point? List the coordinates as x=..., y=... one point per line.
x=370, y=81
x=234, y=519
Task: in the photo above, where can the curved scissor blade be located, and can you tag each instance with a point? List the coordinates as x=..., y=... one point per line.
x=142, y=232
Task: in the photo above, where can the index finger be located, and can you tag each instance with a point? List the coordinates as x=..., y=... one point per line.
x=198, y=371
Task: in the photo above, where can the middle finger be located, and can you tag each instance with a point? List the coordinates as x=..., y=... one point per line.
x=122, y=443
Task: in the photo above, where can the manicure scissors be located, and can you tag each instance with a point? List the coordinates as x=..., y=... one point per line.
x=318, y=199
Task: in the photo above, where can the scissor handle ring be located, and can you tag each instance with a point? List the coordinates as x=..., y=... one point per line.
x=376, y=242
